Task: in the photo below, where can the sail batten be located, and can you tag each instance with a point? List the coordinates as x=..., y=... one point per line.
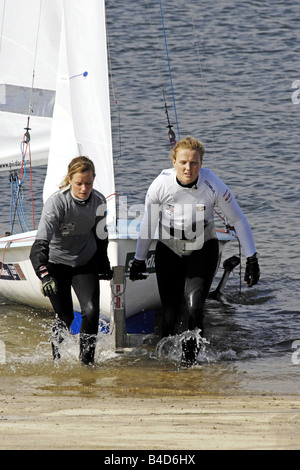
x=15, y=99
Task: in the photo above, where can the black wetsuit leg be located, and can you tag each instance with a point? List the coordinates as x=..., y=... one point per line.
x=62, y=304
x=86, y=287
x=84, y=280
x=200, y=268
x=183, y=284
x=170, y=279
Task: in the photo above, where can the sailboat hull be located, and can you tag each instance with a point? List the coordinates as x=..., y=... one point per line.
x=19, y=283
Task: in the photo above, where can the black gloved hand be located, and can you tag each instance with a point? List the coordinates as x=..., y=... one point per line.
x=252, y=272
x=137, y=268
x=48, y=283
x=106, y=275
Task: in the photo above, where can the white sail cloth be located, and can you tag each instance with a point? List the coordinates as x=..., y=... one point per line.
x=46, y=48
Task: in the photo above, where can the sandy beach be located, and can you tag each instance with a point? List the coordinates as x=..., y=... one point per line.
x=164, y=423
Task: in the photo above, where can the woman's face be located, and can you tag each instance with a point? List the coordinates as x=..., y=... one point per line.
x=82, y=184
x=187, y=165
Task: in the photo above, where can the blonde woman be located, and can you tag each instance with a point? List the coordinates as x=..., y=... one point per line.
x=70, y=250
x=182, y=200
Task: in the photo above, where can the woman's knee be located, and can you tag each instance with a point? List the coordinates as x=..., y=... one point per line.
x=195, y=301
x=90, y=317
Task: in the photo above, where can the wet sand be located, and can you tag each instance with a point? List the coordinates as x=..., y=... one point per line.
x=139, y=423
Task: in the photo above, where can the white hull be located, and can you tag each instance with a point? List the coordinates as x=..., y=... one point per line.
x=19, y=283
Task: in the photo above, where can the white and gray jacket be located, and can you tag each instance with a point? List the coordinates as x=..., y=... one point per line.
x=185, y=215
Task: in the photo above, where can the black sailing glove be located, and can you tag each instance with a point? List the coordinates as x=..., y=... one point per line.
x=48, y=283
x=252, y=272
x=105, y=273
x=137, y=269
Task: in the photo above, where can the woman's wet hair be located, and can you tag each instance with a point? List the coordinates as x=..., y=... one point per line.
x=78, y=165
x=189, y=143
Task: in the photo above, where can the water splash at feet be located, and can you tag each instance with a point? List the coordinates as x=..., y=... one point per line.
x=184, y=349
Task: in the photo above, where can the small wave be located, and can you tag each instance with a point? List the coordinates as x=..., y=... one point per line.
x=170, y=349
x=232, y=355
x=251, y=297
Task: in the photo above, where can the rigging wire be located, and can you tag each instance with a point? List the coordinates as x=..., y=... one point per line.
x=2, y=24
x=203, y=83
x=205, y=100
x=17, y=182
x=35, y=56
x=169, y=67
x=115, y=100
x=26, y=139
x=25, y=147
x=227, y=227
x=171, y=134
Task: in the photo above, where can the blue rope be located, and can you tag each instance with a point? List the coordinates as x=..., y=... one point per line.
x=14, y=204
x=22, y=211
x=165, y=38
x=17, y=203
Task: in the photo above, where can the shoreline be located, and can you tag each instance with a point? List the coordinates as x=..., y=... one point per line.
x=109, y=422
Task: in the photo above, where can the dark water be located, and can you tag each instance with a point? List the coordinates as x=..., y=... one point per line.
x=233, y=65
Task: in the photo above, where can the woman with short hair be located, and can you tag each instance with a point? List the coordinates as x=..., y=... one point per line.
x=182, y=200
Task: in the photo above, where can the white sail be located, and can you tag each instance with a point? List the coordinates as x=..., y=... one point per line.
x=63, y=145
x=81, y=122
x=53, y=68
x=29, y=45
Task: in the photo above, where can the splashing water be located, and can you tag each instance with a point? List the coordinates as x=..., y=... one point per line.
x=171, y=347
